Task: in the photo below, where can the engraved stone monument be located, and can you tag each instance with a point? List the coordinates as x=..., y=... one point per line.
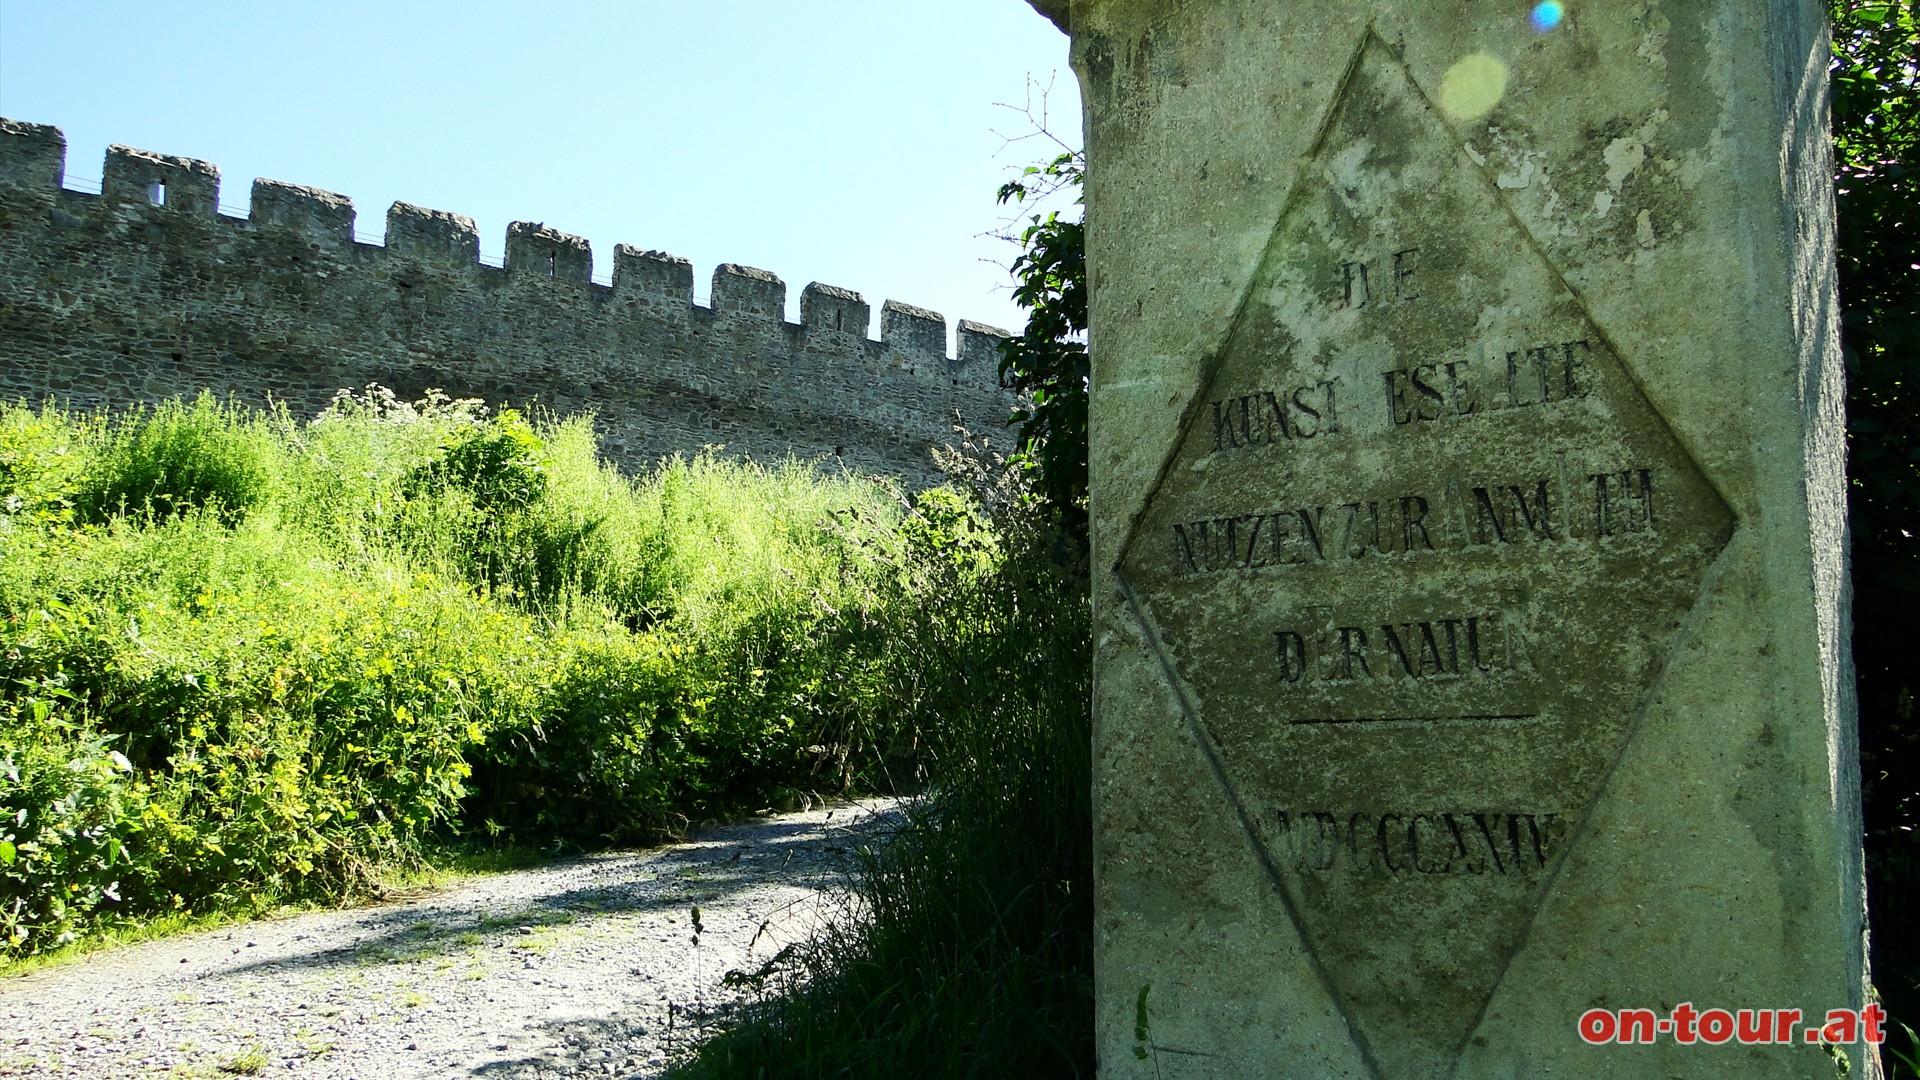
x=1468, y=523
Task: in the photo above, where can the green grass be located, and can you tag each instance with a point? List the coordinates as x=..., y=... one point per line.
x=444, y=864
x=973, y=957
x=114, y=933
x=248, y=661
x=251, y=1062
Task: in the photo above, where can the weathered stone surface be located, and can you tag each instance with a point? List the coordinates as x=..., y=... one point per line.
x=1426, y=489
x=1056, y=10
x=1466, y=510
x=149, y=291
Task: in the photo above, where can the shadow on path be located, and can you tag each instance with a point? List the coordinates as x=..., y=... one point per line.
x=706, y=870
x=598, y=1048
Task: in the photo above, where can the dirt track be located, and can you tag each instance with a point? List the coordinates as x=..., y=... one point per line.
x=584, y=968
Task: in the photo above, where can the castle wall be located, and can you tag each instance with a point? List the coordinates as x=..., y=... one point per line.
x=147, y=290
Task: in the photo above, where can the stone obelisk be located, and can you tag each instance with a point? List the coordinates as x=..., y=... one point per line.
x=1468, y=527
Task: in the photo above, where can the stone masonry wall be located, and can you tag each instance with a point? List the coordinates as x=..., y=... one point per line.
x=147, y=290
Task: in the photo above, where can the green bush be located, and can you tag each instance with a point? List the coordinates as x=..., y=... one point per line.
x=497, y=463
x=763, y=607
x=971, y=954
x=204, y=456
x=607, y=760
x=295, y=727
x=321, y=648
x=41, y=458
x=69, y=807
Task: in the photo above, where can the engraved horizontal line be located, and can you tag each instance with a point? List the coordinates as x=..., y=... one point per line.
x=1515, y=717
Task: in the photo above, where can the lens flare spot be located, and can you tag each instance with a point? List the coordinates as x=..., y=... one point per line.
x=1547, y=15
x=1473, y=86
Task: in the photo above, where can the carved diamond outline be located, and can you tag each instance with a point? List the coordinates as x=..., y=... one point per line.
x=1512, y=750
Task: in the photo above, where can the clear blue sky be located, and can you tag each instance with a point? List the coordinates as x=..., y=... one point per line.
x=850, y=142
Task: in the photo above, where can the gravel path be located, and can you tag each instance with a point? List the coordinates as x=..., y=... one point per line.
x=585, y=968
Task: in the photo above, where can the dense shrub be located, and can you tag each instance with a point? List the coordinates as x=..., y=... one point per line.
x=971, y=952
x=607, y=760
x=496, y=464
x=41, y=459
x=303, y=651
x=1876, y=119
x=68, y=809
x=758, y=604
x=178, y=458
x=292, y=726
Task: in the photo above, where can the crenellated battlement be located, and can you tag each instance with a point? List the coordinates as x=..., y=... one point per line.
x=320, y=216
x=435, y=236
x=147, y=289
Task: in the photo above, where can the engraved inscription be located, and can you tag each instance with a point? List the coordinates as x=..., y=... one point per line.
x=1547, y=373
x=1452, y=389
x=1265, y=417
x=1357, y=279
x=1429, y=392
x=1420, y=549
x=1390, y=843
x=1368, y=650
x=1511, y=514
x=1468, y=516
x=1350, y=530
x=1623, y=501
